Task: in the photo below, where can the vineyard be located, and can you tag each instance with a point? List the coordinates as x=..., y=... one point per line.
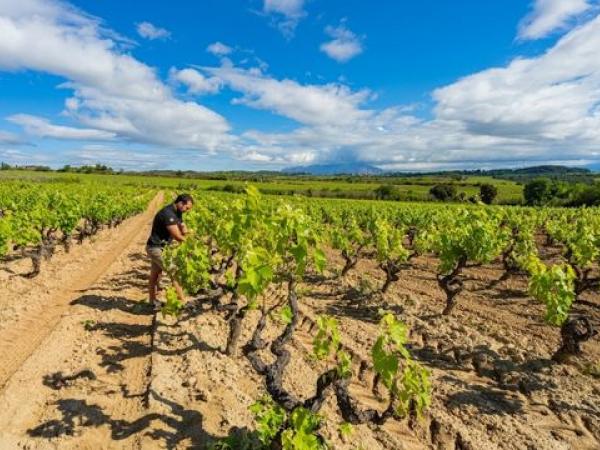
x=35, y=220
x=307, y=323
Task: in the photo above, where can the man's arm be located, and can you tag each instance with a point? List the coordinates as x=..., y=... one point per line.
x=175, y=232
x=183, y=228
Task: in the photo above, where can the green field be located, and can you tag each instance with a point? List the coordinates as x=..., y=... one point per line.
x=407, y=189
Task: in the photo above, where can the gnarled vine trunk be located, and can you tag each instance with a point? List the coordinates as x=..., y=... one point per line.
x=452, y=285
x=573, y=332
x=235, y=327
x=350, y=261
x=236, y=319
x=391, y=275
x=327, y=381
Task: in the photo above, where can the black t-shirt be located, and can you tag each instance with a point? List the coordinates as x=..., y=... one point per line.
x=169, y=215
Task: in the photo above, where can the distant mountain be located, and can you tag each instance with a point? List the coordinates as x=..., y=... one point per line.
x=354, y=168
x=358, y=168
x=594, y=167
x=549, y=170
x=553, y=171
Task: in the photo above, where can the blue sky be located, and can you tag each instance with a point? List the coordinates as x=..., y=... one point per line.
x=265, y=84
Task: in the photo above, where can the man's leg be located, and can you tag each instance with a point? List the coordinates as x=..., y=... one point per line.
x=178, y=290
x=155, y=273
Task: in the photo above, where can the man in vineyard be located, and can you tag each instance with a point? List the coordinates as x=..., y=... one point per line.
x=167, y=226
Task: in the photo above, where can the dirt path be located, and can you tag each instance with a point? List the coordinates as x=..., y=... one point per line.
x=83, y=357
x=19, y=338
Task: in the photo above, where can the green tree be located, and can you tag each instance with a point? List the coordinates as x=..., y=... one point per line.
x=587, y=196
x=538, y=192
x=443, y=192
x=488, y=192
x=386, y=192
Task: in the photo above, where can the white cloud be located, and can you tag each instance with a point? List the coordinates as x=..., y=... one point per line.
x=253, y=155
x=8, y=138
x=538, y=109
x=152, y=32
x=132, y=159
x=195, y=82
x=219, y=49
x=40, y=127
x=286, y=14
x=553, y=97
x=327, y=104
x=289, y=8
x=113, y=92
x=535, y=110
x=408, y=143
x=24, y=157
x=344, y=45
x=168, y=122
x=549, y=16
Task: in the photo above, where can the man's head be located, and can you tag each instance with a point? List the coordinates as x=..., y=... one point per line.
x=184, y=202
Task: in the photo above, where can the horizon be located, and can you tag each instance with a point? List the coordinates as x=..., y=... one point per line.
x=294, y=171
x=273, y=84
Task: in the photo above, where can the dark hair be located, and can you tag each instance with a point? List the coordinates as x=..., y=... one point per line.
x=184, y=198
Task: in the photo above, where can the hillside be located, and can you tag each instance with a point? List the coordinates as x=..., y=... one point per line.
x=335, y=169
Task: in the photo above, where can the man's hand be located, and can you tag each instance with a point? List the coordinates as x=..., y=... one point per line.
x=175, y=232
x=183, y=228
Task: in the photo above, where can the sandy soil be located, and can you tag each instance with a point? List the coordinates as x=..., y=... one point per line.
x=30, y=308
x=495, y=387
x=494, y=384
x=81, y=314
x=107, y=373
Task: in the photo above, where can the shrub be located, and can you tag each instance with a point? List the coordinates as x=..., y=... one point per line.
x=588, y=196
x=488, y=192
x=538, y=192
x=443, y=192
x=387, y=192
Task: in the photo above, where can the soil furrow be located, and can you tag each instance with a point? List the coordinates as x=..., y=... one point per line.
x=20, y=339
x=103, y=332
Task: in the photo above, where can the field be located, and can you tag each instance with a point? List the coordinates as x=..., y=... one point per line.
x=88, y=364
x=409, y=189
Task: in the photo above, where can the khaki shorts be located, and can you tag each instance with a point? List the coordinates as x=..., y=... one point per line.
x=155, y=254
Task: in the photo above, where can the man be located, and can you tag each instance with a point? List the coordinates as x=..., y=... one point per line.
x=166, y=227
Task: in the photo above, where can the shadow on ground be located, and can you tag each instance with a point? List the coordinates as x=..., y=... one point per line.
x=106, y=303
x=174, y=427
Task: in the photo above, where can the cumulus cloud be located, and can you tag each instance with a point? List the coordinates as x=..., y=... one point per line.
x=543, y=109
x=114, y=93
x=195, y=82
x=285, y=14
x=549, y=16
x=151, y=32
x=327, y=104
x=289, y=8
x=41, y=127
x=536, y=110
x=24, y=157
x=8, y=138
x=344, y=44
x=548, y=98
x=114, y=156
x=407, y=143
x=219, y=49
